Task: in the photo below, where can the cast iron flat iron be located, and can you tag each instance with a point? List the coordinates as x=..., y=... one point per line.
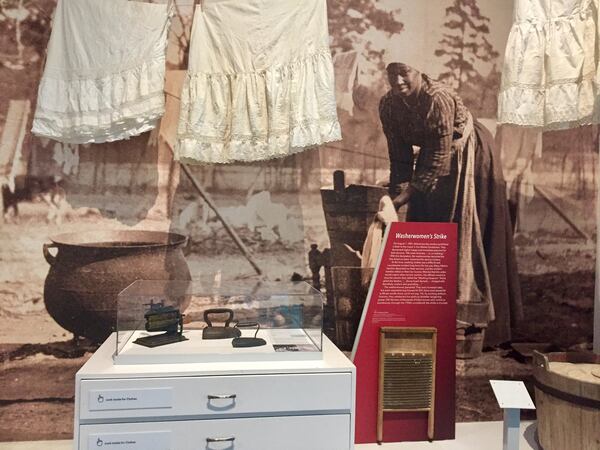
x=224, y=332
x=240, y=342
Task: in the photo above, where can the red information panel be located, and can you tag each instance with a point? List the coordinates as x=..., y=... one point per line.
x=414, y=285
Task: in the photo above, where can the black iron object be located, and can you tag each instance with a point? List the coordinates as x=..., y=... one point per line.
x=162, y=318
x=224, y=332
x=241, y=342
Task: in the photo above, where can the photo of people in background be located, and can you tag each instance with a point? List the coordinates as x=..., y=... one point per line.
x=417, y=87
x=453, y=180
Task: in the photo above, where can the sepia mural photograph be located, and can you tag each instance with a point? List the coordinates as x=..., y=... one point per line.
x=532, y=195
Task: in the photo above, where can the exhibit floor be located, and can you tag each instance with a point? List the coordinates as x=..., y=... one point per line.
x=469, y=436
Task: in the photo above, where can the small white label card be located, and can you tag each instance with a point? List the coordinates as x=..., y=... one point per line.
x=512, y=394
x=145, y=440
x=113, y=399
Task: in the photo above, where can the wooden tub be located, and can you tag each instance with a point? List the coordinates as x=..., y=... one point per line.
x=567, y=394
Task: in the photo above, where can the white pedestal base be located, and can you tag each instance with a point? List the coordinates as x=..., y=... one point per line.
x=267, y=405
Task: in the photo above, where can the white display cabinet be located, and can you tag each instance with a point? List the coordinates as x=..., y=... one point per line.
x=218, y=397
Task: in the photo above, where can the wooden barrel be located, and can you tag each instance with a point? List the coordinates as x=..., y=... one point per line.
x=349, y=211
x=567, y=394
x=350, y=289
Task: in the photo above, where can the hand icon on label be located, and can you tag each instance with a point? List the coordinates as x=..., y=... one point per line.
x=99, y=443
x=100, y=398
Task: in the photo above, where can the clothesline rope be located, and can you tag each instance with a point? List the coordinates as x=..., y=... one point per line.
x=172, y=2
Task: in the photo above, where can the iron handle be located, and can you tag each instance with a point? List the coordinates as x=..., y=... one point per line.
x=541, y=360
x=212, y=311
x=47, y=255
x=222, y=397
x=221, y=439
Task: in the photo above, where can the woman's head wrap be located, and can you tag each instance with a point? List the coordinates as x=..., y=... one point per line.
x=395, y=67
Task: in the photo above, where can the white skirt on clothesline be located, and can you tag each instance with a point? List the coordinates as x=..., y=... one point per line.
x=551, y=77
x=104, y=74
x=260, y=81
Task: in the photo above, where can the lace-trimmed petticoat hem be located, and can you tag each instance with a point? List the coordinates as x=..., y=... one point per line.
x=260, y=82
x=551, y=77
x=104, y=74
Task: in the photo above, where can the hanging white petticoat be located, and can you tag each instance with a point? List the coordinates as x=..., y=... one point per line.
x=104, y=74
x=551, y=75
x=260, y=81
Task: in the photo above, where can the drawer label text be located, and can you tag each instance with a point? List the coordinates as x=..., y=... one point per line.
x=153, y=440
x=106, y=400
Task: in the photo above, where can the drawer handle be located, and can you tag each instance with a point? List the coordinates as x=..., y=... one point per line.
x=222, y=397
x=221, y=439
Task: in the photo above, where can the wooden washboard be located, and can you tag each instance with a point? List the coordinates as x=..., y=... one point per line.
x=406, y=373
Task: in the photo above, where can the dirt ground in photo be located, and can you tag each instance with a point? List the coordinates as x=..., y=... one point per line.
x=39, y=359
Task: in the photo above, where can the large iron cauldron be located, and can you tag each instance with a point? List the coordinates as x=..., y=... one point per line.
x=90, y=269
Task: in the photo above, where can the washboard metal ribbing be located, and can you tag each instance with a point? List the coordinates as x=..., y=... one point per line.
x=406, y=373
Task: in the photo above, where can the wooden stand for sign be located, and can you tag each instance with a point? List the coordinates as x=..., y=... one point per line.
x=407, y=373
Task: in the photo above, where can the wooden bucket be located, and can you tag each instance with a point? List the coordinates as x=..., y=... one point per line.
x=471, y=322
x=469, y=344
x=567, y=394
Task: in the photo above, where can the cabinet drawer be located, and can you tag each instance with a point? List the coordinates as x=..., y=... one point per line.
x=215, y=396
x=325, y=432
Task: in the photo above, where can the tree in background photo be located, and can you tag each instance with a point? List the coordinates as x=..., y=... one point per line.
x=464, y=44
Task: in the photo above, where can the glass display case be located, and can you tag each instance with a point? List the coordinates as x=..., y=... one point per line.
x=163, y=322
